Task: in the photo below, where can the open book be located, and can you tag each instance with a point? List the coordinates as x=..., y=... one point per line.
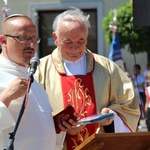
x=68, y=113
x=94, y=118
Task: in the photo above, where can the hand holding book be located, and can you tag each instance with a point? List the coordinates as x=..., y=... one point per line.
x=68, y=113
x=64, y=115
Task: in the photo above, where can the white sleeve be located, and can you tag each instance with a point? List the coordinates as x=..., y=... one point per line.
x=60, y=140
x=6, y=119
x=119, y=125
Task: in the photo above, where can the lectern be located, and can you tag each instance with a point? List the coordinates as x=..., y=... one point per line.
x=117, y=141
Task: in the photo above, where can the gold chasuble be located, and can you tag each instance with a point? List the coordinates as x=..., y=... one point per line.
x=104, y=85
x=80, y=94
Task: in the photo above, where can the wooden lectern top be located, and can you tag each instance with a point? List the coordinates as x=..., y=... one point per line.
x=117, y=141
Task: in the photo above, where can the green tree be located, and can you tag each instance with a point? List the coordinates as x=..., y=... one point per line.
x=137, y=38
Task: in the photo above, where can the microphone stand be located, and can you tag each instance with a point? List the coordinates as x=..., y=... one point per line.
x=13, y=133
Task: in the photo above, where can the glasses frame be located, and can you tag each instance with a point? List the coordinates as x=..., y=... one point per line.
x=38, y=39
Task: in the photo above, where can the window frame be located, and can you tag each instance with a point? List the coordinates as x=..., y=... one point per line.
x=98, y=5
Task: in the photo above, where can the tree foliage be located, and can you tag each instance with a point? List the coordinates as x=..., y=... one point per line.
x=137, y=38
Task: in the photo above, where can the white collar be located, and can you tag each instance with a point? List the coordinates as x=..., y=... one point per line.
x=77, y=67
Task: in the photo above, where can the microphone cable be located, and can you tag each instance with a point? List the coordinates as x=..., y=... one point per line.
x=24, y=104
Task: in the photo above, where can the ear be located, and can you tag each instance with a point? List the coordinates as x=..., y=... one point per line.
x=55, y=37
x=2, y=39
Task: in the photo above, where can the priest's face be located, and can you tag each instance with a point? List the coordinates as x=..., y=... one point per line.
x=19, y=42
x=71, y=39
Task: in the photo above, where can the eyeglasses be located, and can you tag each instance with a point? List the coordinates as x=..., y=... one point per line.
x=23, y=39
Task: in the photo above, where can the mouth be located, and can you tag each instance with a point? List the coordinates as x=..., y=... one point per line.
x=74, y=54
x=29, y=50
x=29, y=54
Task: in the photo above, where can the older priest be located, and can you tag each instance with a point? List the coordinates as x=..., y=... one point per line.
x=91, y=83
x=89, y=90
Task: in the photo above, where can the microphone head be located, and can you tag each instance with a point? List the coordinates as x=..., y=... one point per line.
x=35, y=59
x=34, y=62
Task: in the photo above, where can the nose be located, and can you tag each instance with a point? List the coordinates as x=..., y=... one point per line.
x=30, y=44
x=74, y=46
x=30, y=40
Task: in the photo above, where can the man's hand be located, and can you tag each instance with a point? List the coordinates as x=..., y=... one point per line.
x=16, y=89
x=108, y=121
x=71, y=127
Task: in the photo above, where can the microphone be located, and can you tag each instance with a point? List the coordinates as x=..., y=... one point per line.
x=34, y=62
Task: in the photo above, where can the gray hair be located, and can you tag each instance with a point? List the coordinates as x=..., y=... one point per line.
x=72, y=14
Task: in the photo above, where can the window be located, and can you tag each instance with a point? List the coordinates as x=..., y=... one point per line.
x=47, y=44
x=44, y=14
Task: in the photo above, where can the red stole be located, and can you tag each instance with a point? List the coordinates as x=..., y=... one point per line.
x=78, y=91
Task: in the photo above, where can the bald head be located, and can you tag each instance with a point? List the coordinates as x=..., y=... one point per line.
x=13, y=21
x=18, y=39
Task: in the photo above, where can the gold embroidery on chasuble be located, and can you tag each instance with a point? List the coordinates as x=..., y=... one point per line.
x=78, y=92
x=79, y=98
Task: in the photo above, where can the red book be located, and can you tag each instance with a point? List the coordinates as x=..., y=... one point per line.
x=64, y=115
